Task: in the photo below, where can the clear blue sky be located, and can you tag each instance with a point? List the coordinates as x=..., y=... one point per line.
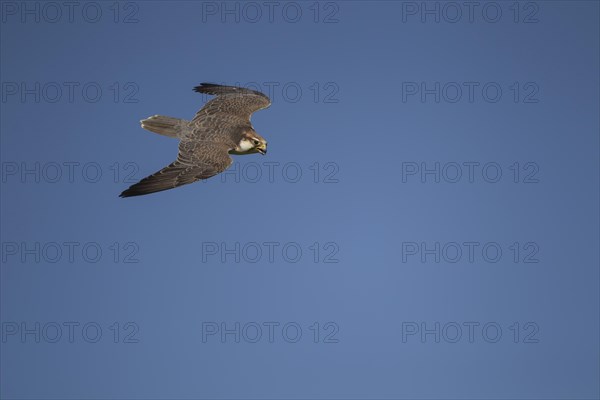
x=425, y=224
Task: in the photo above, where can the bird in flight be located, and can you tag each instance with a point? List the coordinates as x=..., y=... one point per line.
x=222, y=127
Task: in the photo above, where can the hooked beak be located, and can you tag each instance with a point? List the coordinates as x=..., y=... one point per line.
x=262, y=150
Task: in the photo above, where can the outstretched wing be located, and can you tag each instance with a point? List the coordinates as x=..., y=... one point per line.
x=196, y=160
x=230, y=110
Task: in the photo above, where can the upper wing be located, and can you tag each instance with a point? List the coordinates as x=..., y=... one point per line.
x=232, y=107
x=195, y=161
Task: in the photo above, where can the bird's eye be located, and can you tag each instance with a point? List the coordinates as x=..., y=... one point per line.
x=256, y=142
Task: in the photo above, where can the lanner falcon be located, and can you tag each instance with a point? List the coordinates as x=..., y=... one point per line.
x=220, y=128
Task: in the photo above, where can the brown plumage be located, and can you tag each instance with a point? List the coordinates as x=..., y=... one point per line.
x=220, y=128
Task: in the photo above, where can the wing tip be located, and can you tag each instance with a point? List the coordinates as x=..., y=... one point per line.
x=139, y=189
x=126, y=193
x=133, y=193
x=216, y=89
x=204, y=87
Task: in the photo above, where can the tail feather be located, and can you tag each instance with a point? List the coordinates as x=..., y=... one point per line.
x=167, y=126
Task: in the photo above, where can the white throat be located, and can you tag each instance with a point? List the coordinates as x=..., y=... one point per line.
x=245, y=145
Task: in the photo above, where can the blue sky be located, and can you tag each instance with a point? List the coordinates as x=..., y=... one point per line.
x=425, y=224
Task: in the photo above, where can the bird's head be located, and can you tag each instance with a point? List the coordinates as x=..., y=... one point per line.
x=252, y=142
